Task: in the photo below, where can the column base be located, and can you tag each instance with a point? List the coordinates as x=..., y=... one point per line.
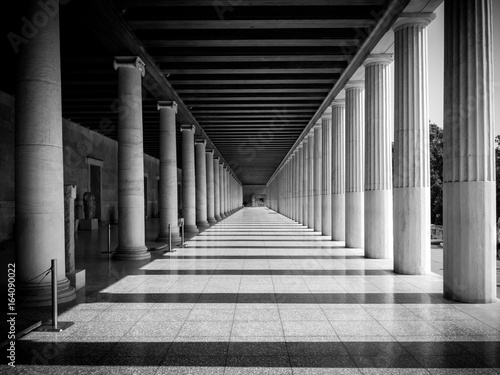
x=378, y=224
x=218, y=217
x=355, y=222
x=131, y=253
x=191, y=228
x=211, y=220
x=222, y=216
x=41, y=295
x=202, y=224
x=412, y=230
x=470, y=242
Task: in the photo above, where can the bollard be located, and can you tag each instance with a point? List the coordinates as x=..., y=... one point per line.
x=109, y=241
x=55, y=326
x=169, y=237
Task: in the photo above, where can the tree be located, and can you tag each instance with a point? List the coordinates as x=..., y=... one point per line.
x=436, y=156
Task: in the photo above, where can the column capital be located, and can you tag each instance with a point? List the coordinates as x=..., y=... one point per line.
x=187, y=127
x=130, y=62
x=355, y=85
x=216, y=158
x=381, y=58
x=221, y=162
x=200, y=141
x=165, y=104
x=210, y=151
x=327, y=114
x=413, y=19
x=338, y=103
x=318, y=125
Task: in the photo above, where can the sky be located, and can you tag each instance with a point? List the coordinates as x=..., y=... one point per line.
x=436, y=65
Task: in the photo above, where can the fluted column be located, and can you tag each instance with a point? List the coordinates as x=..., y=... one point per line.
x=305, y=182
x=39, y=179
x=221, y=189
x=201, y=183
x=300, y=184
x=216, y=189
x=131, y=220
x=378, y=159
x=338, y=170
x=326, y=172
x=167, y=193
x=355, y=153
x=469, y=154
x=411, y=147
x=224, y=190
x=317, y=188
x=310, y=171
x=209, y=156
x=188, y=179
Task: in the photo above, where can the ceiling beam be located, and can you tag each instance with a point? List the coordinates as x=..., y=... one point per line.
x=250, y=24
x=116, y=35
x=244, y=3
x=267, y=82
x=251, y=58
x=332, y=42
x=255, y=71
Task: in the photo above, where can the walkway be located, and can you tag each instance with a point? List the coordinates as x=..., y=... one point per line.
x=258, y=293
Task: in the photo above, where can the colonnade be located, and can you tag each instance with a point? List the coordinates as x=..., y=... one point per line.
x=376, y=195
x=210, y=189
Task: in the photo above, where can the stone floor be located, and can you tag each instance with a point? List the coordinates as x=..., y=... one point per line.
x=260, y=294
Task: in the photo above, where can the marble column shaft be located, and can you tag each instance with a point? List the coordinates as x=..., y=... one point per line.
x=209, y=160
x=39, y=178
x=188, y=179
x=411, y=178
x=201, y=183
x=305, y=182
x=318, y=169
x=326, y=172
x=338, y=170
x=167, y=193
x=221, y=189
x=378, y=159
x=131, y=213
x=300, y=185
x=310, y=171
x=216, y=189
x=469, y=154
x=354, y=166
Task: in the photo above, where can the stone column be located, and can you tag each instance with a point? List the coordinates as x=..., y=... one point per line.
x=188, y=179
x=310, y=171
x=338, y=170
x=411, y=147
x=326, y=172
x=210, y=186
x=378, y=159
x=131, y=220
x=469, y=154
x=168, y=173
x=305, y=182
x=39, y=179
x=318, y=169
x=69, y=226
x=201, y=183
x=216, y=189
x=221, y=189
x=354, y=149
x=300, y=184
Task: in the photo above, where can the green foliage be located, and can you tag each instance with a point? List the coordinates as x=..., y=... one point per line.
x=436, y=155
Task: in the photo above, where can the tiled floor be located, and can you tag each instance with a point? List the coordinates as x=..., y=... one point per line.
x=260, y=294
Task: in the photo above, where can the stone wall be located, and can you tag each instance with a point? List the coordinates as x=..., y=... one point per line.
x=81, y=148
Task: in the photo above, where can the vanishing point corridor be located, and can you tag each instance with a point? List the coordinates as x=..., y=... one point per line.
x=260, y=294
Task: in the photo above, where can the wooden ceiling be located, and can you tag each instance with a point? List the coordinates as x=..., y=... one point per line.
x=250, y=74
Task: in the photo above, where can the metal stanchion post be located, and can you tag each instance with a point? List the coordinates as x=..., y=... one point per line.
x=109, y=241
x=55, y=326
